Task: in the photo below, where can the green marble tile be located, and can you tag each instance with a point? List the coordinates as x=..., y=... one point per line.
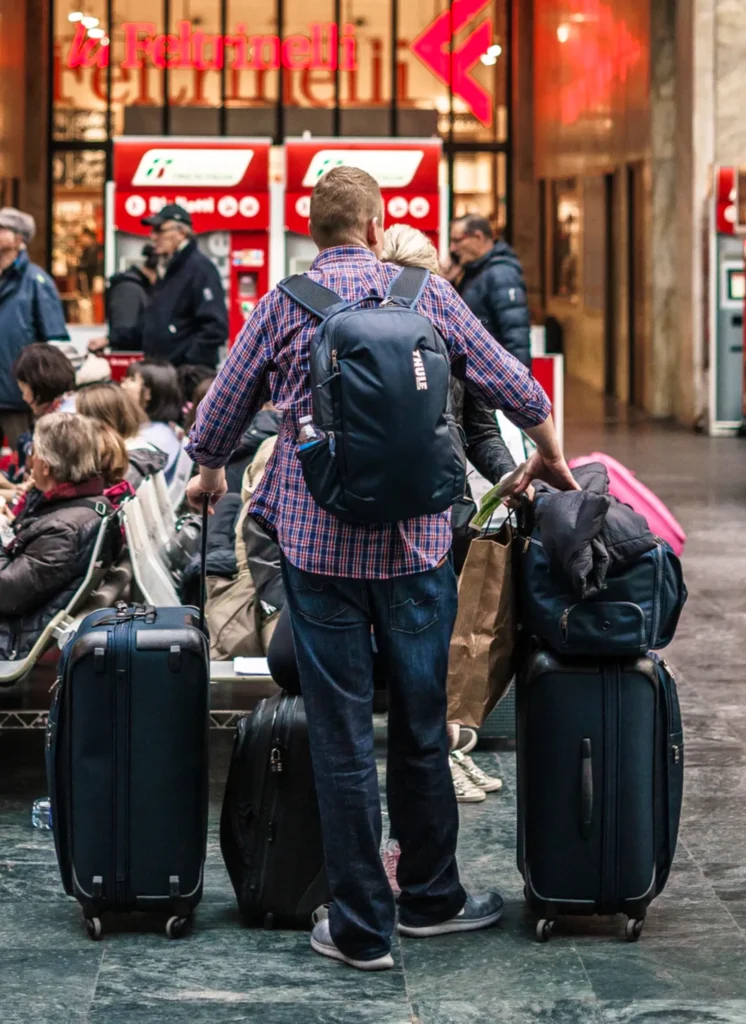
x=255, y=967
x=491, y=966
x=654, y=1011
x=512, y=1011
x=46, y=985
x=224, y=1009
x=668, y=969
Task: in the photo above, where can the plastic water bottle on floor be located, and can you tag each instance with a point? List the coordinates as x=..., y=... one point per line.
x=41, y=813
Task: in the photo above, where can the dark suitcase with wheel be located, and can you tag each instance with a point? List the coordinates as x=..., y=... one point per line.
x=270, y=829
x=127, y=763
x=600, y=783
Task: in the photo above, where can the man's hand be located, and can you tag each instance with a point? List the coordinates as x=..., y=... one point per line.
x=208, y=481
x=97, y=344
x=552, y=470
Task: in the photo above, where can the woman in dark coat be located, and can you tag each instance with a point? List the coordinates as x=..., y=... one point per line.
x=44, y=563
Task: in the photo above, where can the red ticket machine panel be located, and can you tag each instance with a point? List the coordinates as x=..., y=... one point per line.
x=223, y=183
x=406, y=169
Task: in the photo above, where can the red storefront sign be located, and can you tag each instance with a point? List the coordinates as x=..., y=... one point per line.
x=188, y=50
x=406, y=170
x=223, y=183
x=323, y=48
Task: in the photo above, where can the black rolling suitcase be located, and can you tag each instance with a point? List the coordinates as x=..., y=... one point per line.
x=127, y=763
x=270, y=830
x=600, y=783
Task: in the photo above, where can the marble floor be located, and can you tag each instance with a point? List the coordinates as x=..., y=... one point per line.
x=690, y=965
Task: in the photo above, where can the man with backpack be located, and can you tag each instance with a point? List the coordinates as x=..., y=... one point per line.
x=358, y=493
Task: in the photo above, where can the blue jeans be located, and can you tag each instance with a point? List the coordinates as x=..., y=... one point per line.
x=412, y=617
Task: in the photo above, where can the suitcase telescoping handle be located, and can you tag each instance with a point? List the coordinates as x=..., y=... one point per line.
x=586, y=788
x=203, y=562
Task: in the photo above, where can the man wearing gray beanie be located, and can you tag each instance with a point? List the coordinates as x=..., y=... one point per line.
x=30, y=310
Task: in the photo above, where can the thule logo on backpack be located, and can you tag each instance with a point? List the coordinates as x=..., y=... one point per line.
x=419, y=371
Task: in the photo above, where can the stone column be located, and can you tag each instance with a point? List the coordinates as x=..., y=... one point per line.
x=663, y=356
x=525, y=188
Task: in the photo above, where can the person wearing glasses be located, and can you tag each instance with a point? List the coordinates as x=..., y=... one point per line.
x=187, y=319
x=489, y=278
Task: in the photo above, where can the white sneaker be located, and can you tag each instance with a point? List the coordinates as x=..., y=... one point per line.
x=466, y=791
x=475, y=775
x=466, y=739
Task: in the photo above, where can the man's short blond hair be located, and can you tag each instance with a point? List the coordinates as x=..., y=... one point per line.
x=69, y=445
x=408, y=247
x=343, y=203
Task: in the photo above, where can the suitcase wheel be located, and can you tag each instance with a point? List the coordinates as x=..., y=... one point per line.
x=544, y=930
x=93, y=927
x=634, y=928
x=176, y=926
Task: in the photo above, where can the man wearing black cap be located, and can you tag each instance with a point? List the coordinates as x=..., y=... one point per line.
x=187, y=320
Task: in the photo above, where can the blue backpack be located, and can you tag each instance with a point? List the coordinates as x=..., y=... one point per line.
x=380, y=380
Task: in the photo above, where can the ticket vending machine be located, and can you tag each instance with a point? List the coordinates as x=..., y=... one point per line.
x=223, y=183
x=408, y=171
x=727, y=296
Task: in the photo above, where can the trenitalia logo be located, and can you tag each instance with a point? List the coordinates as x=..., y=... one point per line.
x=224, y=168
x=392, y=168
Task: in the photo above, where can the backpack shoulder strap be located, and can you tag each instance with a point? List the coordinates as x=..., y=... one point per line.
x=311, y=296
x=408, y=285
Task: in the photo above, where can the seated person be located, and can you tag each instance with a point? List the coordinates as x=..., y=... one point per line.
x=45, y=377
x=115, y=464
x=108, y=403
x=155, y=388
x=55, y=533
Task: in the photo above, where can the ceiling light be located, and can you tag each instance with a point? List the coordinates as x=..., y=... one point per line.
x=489, y=59
x=105, y=41
x=89, y=22
x=96, y=33
x=495, y=50
x=563, y=32
x=75, y=16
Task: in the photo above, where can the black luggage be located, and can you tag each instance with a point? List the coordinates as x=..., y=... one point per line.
x=600, y=783
x=270, y=829
x=127, y=763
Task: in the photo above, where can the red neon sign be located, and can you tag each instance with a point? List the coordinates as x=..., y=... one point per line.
x=432, y=48
x=323, y=49
x=190, y=50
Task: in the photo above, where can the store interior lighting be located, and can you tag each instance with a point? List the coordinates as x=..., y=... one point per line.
x=89, y=22
x=75, y=16
x=492, y=53
x=563, y=32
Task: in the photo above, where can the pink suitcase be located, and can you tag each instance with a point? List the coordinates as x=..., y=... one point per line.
x=624, y=485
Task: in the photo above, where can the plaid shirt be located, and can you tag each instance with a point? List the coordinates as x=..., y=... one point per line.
x=271, y=356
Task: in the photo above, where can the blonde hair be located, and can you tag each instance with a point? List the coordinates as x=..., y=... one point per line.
x=69, y=446
x=408, y=247
x=113, y=457
x=343, y=203
x=108, y=403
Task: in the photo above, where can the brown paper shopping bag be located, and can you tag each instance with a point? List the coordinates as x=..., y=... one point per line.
x=482, y=652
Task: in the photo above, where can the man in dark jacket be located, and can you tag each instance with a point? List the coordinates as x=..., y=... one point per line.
x=187, y=320
x=492, y=284
x=127, y=298
x=30, y=310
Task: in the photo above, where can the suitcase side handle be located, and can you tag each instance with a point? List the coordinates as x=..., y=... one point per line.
x=586, y=788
